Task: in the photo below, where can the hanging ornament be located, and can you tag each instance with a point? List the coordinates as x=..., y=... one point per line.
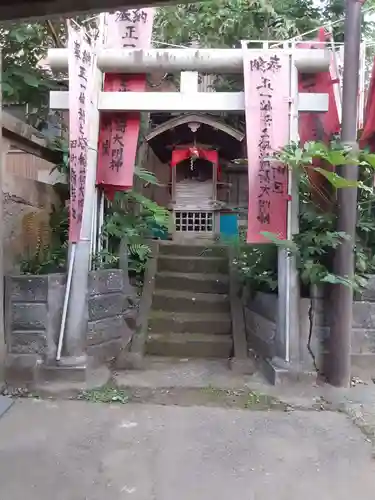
x=194, y=155
x=191, y=163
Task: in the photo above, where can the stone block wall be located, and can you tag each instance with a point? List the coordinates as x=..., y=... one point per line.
x=261, y=313
x=33, y=311
x=33, y=306
x=112, y=313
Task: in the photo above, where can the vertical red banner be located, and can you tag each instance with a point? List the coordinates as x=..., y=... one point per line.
x=266, y=78
x=81, y=79
x=322, y=126
x=119, y=132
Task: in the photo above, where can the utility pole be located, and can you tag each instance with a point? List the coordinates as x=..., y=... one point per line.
x=342, y=296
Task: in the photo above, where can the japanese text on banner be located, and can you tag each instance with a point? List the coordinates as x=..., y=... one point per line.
x=119, y=131
x=130, y=29
x=267, y=130
x=81, y=73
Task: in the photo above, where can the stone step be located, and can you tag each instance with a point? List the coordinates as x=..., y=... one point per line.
x=182, y=301
x=206, y=265
x=191, y=282
x=189, y=345
x=193, y=250
x=213, y=323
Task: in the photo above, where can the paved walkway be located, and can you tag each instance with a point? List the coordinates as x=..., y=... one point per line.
x=75, y=450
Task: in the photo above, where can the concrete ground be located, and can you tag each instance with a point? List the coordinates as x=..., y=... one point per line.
x=208, y=434
x=76, y=450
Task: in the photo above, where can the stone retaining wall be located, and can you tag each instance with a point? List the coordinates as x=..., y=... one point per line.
x=261, y=311
x=33, y=310
x=33, y=314
x=112, y=311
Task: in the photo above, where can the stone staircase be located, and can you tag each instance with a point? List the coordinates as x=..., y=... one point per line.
x=190, y=314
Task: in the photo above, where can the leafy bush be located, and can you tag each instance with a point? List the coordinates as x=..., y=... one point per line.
x=133, y=218
x=313, y=246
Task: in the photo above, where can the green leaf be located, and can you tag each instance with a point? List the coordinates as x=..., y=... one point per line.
x=146, y=176
x=288, y=244
x=336, y=158
x=336, y=180
x=369, y=159
x=337, y=280
x=19, y=35
x=31, y=80
x=8, y=89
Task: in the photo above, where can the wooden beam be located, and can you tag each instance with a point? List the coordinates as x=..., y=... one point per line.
x=28, y=139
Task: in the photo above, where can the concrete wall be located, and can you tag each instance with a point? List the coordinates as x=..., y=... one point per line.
x=260, y=313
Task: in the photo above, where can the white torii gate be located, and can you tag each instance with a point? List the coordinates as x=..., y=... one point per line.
x=218, y=61
x=189, y=62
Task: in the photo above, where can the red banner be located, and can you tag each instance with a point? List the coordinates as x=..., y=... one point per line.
x=81, y=72
x=315, y=126
x=266, y=78
x=322, y=126
x=118, y=137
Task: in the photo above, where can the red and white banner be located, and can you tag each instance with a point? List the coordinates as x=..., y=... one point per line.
x=81, y=80
x=266, y=78
x=119, y=132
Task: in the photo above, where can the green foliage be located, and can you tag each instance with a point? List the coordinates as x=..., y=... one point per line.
x=257, y=265
x=224, y=23
x=107, y=394
x=131, y=217
x=59, y=144
x=134, y=218
x=313, y=246
x=24, y=80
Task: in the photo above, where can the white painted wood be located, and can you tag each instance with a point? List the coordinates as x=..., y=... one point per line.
x=181, y=101
x=189, y=81
x=176, y=60
x=312, y=102
x=177, y=102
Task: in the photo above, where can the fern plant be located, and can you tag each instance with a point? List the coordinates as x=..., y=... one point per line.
x=134, y=218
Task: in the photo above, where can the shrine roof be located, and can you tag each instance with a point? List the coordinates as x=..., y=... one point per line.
x=211, y=132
